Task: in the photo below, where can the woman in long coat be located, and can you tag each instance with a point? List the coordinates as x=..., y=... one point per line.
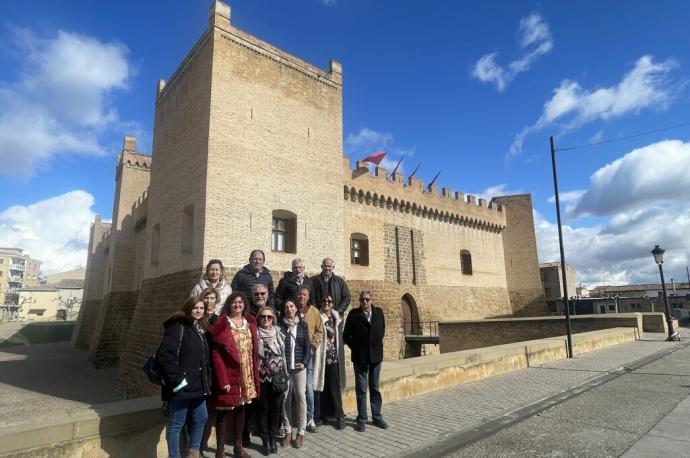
x=234, y=356
x=329, y=367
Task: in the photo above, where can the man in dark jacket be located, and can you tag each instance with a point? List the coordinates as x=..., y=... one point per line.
x=252, y=274
x=289, y=285
x=364, y=330
x=327, y=283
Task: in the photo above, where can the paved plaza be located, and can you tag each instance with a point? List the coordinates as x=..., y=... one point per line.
x=629, y=398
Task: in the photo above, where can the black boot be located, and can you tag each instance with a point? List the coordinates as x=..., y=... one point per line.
x=265, y=448
x=272, y=444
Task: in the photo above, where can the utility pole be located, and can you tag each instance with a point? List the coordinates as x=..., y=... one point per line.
x=568, y=328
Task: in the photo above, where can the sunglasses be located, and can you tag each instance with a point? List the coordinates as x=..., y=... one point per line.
x=327, y=301
x=266, y=317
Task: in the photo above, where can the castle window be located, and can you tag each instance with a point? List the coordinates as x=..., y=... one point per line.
x=187, y=245
x=359, y=249
x=284, y=231
x=466, y=262
x=155, y=243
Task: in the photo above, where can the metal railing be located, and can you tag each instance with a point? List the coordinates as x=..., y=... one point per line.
x=420, y=328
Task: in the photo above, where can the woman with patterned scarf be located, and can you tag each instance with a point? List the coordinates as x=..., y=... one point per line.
x=271, y=363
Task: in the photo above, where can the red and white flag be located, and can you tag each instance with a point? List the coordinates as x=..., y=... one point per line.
x=374, y=158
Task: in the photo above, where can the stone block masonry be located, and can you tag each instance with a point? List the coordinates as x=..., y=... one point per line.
x=159, y=297
x=114, y=319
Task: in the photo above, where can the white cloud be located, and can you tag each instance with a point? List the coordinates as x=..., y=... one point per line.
x=655, y=174
x=495, y=191
x=619, y=252
x=647, y=86
x=61, y=102
x=367, y=141
x=645, y=199
x=568, y=196
x=534, y=40
x=54, y=230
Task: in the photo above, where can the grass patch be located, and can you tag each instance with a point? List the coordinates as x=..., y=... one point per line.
x=41, y=332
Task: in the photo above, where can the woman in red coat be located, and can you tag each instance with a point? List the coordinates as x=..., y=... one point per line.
x=235, y=359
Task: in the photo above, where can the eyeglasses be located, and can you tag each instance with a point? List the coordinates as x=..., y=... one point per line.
x=365, y=299
x=266, y=317
x=327, y=301
x=261, y=293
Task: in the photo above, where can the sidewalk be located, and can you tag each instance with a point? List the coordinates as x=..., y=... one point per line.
x=425, y=420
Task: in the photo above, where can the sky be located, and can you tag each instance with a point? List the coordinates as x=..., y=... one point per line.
x=470, y=89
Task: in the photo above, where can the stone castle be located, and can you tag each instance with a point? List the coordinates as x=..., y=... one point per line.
x=248, y=153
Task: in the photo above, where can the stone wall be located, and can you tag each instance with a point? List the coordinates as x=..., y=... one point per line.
x=158, y=299
x=86, y=323
x=465, y=335
x=115, y=316
x=520, y=256
x=275, y=144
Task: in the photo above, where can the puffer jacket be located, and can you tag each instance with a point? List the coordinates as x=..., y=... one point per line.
x=244, y=280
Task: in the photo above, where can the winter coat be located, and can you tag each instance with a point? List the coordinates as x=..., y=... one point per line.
x=314, y=326
x=244, y=280
x=225, y=359
x=223, y=290
x=365, y=339
x=300, y=342
x=288, y=287
x=336, y=288
x=320, y=354
x=193, y=363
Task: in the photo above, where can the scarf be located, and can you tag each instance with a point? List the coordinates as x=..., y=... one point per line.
x=197, y=328
x=290, y=322
x=243, y=328
x=269, y=338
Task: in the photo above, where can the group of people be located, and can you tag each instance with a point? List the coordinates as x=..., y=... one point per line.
x=242, y=356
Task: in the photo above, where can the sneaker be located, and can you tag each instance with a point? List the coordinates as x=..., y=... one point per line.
x=360, y=427
x=311, y=426
x=381, y=424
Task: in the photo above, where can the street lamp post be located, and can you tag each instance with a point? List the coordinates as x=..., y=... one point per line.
x=658, y=254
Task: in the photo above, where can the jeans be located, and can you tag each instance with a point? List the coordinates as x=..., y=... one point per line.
x=180, y=409
x=310, y=389
x=368, y=374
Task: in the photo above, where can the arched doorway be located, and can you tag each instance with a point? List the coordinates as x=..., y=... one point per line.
x=411, y=326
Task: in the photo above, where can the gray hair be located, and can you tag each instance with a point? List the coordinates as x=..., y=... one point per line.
x=259, y=285
x=297, y=261
x=364, y=292
x=327, y=259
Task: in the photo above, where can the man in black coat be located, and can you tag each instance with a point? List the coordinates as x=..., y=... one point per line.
x=327, y=283
x=289, y=285
x=253, y=274
x=364, y=330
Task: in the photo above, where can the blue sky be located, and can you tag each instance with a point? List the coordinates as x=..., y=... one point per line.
x=471, y=89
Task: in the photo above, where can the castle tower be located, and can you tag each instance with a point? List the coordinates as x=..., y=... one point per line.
x=119, y=288
x=521, y=260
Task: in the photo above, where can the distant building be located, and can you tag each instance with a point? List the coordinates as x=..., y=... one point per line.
x=17, y=270
x=57, y=301
x=552, y=282
x=75, y=274
x=647, y=297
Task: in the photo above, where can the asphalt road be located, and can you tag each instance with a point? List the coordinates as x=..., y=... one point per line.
x=602, y=419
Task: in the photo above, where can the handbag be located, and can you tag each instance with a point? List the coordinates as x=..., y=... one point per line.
x=152, y=368
x=279, y=382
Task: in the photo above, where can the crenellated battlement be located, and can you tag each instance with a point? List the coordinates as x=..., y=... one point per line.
x=413, y=196
x=130, y=158
x=140, y=210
